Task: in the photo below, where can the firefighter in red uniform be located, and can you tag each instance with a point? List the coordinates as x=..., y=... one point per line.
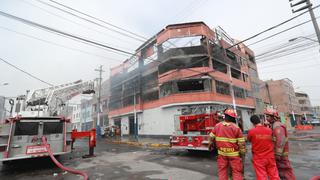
x=230, y=144
x=262, y=151
x=280, y=137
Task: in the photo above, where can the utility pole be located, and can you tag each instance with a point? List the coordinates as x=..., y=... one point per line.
x=135, y=114
x=313, y=18
x=97, y=121
x=268, y=91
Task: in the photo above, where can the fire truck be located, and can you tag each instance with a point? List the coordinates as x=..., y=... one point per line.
x=39, y=117
x=193, y=132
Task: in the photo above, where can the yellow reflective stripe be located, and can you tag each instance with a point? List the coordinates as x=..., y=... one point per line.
x=224, y=139
x=212, y=135
x=282, y=154
x=228, y=153
x=225, y=123
x=241, y=139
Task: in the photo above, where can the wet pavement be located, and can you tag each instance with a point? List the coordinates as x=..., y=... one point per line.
x=119, y=161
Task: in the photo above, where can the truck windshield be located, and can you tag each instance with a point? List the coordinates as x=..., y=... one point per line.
x=26, y=128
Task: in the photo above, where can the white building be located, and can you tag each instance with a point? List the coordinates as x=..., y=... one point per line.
x=86, y=115
x=75, y=119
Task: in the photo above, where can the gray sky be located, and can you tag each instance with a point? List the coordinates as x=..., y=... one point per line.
x=57, y=65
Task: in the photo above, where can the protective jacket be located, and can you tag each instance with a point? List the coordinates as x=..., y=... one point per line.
x=262, y=151
x=280, y=137
x=230, y=143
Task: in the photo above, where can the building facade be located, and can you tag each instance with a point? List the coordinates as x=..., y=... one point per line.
x=185, y=68
x=281, y=94
x=316, y=111
x=86, y=115
x=76, y=117
x=305, y=105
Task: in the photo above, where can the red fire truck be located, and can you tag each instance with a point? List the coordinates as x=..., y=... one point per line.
x=194, y=131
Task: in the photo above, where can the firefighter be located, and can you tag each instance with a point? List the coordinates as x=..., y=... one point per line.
x=230, y=144
x=281, y=145
x=262, y=150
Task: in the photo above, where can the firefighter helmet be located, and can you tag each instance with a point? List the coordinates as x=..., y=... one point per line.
x=231, y=112
x=271, y=112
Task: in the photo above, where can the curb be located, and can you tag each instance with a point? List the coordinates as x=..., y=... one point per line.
x=139, y=144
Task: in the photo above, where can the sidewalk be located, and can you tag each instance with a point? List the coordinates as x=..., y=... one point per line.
x=141, y=141
x=305, y=134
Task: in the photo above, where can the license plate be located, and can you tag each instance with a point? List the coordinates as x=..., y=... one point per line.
x=36, y=149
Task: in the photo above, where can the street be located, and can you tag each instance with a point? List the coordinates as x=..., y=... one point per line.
x=115, y=161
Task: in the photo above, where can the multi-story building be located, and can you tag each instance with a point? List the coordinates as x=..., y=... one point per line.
x=316, y=111
x=76, y=116
x=86, y=114
x=185, y=68
x=281, y=94
x=305, y=105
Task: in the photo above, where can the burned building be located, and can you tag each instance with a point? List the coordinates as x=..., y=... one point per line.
x=185, y=68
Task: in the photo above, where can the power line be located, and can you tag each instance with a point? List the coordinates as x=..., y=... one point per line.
x=292, y=27
x=286, y=63
x=125, y=30
x=276, y=52
x=74, y=22
x=93, y=22
x=53, y=30
x=271, y=28
x=74, y=37
x=281, y=46
x=25, y=72
x=298, y=51
x=59, y=45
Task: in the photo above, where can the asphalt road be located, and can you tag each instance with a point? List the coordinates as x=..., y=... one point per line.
x=114, y=161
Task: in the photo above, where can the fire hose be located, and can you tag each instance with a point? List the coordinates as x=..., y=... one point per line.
x=73, y=171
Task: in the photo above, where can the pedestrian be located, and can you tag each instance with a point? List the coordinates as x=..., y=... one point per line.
x=280, y=138
x=262, y=150
x=230, y=144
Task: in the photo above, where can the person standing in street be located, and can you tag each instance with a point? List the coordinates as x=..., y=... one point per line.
x=281, y=149
x=262, y=151
x=230, y=144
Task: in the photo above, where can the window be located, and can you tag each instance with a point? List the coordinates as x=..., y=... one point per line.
x=251, y=58
x=26, y=128
x=166, y=89
x=238, y=92
x=222, y=88
x=242, y=61
x=231, y=55
x=244, y=77
x=151, y=96
x=248, y=93
x=220, y=66
x=302, y=101
x=190, y=85
x=52, y=128
x=235, y=73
